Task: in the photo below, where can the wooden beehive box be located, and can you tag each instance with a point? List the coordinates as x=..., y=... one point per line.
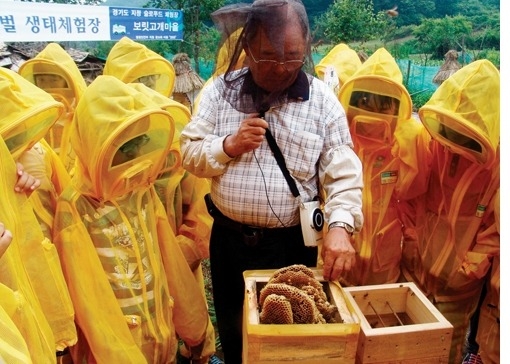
x=399, y=325
x=298, y=343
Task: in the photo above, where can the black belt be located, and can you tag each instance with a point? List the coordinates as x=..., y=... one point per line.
x=251, y=234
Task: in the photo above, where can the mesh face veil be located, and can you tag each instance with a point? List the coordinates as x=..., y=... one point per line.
x=28, y=112
x=268, y=19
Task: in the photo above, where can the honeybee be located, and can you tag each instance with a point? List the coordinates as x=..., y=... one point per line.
x=392, y=12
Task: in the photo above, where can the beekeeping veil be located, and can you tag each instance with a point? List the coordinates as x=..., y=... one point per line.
x=27, y=112
x=378, y=78
x=464, y=116
x=54, y=60
x=129, y=61
x=271, y=17
x=110, y=117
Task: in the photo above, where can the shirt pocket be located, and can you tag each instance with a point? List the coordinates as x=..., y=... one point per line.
x=302, y=153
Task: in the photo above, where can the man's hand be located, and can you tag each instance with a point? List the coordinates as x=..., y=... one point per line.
x=26, y=182
x=338, y=255
x=5, y=238
x=249, y=136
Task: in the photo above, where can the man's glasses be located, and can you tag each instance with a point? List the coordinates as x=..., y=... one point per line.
x=290, y=65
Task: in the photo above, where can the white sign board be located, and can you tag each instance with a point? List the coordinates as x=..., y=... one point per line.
x=32, y=22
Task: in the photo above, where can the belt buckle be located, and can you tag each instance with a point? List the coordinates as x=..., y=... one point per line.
x=252, y=236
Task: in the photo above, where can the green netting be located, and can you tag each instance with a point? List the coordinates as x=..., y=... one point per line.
x=417, y=78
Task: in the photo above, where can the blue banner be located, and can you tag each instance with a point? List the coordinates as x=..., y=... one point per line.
x=146, y=24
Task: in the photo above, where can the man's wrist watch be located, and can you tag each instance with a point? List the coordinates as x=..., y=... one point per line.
x=342, y=225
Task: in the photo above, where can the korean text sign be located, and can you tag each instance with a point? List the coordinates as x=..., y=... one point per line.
x=32, y=22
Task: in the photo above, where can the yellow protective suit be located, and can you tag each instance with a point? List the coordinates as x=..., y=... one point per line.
x=42, y=162
x=13, y=348
x=454, y=247
x=393, y=151
x=337, y=66
x=23, y=324
x=54, y=60
x=488, y=335
x=129, y=60
x=182, y=194
x=29, y=114
x=132, y=288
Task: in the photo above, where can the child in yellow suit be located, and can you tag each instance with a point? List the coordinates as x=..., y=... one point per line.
x=131, y=286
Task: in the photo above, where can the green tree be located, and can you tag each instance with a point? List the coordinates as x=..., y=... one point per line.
x=351, y=21
x=196, y=16
x=438, y=36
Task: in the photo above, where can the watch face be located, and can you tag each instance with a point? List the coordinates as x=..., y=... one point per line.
x=348, y=228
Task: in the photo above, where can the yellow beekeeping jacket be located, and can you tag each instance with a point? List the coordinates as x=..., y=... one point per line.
x=29, y=113
x=13, y=348
x=129, y=60
x=42, y=162
x=342, y=62
x=53, y=59
x=132, y=288
x=454, y=251
x=18, y=301
x=394, y=167
x=181, y=192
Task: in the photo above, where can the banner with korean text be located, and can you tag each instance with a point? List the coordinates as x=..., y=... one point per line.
x=33, y=22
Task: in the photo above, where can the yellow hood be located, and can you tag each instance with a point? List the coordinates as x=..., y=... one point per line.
x=467, y=106
x=129, y=60
x=55, y=60
x=27, y=112
x=379, y=74
x=345, y=62
x=110, y=114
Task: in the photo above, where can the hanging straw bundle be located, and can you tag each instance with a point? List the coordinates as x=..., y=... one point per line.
x=449, y=67
x=186, y=79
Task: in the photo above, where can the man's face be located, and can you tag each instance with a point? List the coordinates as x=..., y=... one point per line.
x=50, y=81
x=270, y=72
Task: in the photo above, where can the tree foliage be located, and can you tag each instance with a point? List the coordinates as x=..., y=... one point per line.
x=438, y=36
x=351, y=21
x=196, y=17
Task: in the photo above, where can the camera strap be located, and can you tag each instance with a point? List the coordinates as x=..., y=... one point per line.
x=281, y=162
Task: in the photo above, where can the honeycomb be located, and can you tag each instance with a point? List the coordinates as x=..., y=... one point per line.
x=294, y=295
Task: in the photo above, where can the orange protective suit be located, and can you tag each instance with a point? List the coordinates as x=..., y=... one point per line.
x=456, y=239
x=393, y=148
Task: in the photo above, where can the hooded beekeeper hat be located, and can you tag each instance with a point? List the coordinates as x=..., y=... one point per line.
x=128, y=61
x=463, y=113
x=112, y=118
x=27, y=112
x=342, y=61
x=54, y=60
